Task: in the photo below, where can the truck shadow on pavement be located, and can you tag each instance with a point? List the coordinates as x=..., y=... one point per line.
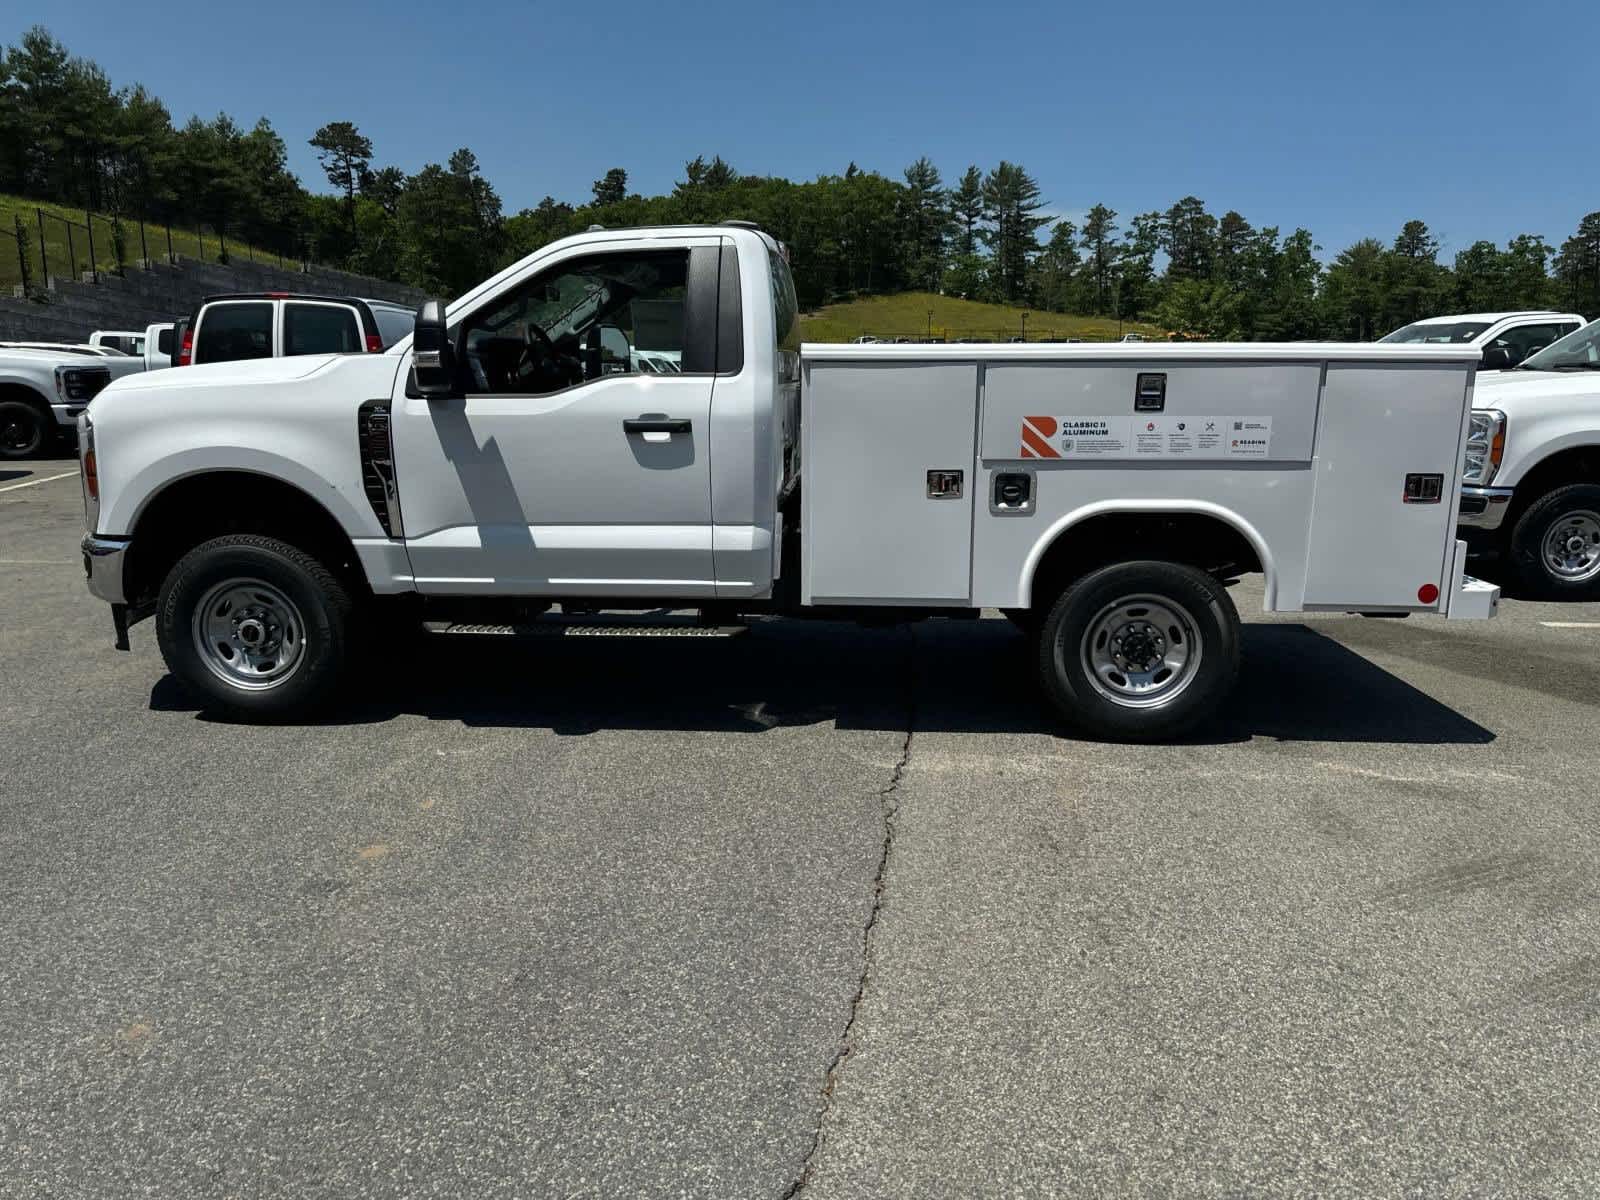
x=938, y=676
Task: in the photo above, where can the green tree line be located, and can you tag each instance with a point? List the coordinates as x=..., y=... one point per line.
x=68, y=135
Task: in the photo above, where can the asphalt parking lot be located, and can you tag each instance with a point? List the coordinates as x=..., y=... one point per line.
x=820, y=911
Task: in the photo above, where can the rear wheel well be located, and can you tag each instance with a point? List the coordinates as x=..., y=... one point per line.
x=1197, y=539
x=200, y=507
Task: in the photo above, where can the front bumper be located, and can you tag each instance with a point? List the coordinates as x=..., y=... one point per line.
x=1483, y=507
x=103, y=560
x=66, y=415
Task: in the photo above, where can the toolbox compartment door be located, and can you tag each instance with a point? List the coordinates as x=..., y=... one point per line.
x=872, y=433
x=1371, y=548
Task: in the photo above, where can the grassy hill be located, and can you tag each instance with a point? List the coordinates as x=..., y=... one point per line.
x=906, y=315
x=184, y=242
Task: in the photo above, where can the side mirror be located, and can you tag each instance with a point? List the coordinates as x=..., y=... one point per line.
x=433, y=358
x=1497, y=358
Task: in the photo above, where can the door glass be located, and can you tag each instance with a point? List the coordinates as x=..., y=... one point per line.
x=607, y=314
x=320, y=329
x=1523, y=340
x=230, y=332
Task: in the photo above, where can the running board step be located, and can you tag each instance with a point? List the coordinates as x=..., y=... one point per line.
x=595, y=627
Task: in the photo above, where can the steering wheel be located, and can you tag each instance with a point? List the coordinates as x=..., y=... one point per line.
x=548, y=360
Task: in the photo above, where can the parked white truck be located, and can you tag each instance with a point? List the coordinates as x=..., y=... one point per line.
x=1532, y=473
x=43, y=389
x=268, y=514
x=1506, y=338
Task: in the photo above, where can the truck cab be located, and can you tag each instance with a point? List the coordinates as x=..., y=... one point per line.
x=248, y=325
x=1506, y=338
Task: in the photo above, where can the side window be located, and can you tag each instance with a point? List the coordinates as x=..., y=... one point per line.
x=320, y=329
x=784, y=306
x=230, y=332
x=605, y=314
x=393, y=324
x=1523, y=340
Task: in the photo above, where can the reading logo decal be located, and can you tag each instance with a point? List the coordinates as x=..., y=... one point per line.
x=1036, y=435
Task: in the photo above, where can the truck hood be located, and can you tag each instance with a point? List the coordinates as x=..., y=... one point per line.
x=228, y=374
x=1510, y=390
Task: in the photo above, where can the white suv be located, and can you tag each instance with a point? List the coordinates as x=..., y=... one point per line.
x=1506, y=338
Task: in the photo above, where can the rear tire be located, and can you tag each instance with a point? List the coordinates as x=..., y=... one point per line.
x=1140, y=651
x=1555, y=544
x=25, y=429
x=255, y=628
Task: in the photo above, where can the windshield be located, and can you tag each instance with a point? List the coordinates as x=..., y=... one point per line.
x=1578, y=351
x=1438, y=333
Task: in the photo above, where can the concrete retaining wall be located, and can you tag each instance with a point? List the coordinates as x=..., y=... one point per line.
x=69, y=311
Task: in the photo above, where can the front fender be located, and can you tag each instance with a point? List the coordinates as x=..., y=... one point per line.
x=122, y=507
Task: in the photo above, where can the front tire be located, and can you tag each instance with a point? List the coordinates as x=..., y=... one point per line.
x=1140, y=651
x=254, y=628
x=1555, y=544
x=24, y=429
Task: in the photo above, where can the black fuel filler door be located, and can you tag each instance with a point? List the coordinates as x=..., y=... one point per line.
x=1150, y=392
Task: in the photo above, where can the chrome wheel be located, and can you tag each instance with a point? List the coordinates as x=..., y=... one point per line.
x=249, y=634
x=1141, y=651
x=1572, y=546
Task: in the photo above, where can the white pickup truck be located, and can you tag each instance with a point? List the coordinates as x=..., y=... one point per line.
x=44, y=388
x=506, y=458
x=1532, y=471
x=1506, y=338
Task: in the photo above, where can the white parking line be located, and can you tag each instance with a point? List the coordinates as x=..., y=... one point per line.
x=11, y=487
x=1571, y=624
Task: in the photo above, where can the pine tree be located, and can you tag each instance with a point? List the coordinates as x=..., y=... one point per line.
x=1011, y=205
x=926, y=222
x=1099, y=228
x=612, y=189
x=966, y=207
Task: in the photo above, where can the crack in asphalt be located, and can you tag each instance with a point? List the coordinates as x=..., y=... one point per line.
x=890, y=809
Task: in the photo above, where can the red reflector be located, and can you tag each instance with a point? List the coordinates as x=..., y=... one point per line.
x=374, y=344
x=91, y=477
x=1428, y=593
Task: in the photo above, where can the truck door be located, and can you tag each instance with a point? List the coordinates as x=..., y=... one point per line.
x=575, y=458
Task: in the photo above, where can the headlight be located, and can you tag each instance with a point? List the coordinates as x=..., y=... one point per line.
x=79, y=385
x=1486, y=446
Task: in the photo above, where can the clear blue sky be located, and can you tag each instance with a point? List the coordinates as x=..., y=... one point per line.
x=1346, y=118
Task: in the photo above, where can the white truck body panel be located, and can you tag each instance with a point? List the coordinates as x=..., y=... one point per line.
x=546, y=495
x=1327, y=435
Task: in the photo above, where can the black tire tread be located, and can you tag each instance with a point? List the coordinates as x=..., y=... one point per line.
x=1103, y=719
x=1527, y=536
x=295, y=699
x=46, y=421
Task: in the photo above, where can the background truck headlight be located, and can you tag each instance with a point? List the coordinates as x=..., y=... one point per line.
x=1486, y=446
